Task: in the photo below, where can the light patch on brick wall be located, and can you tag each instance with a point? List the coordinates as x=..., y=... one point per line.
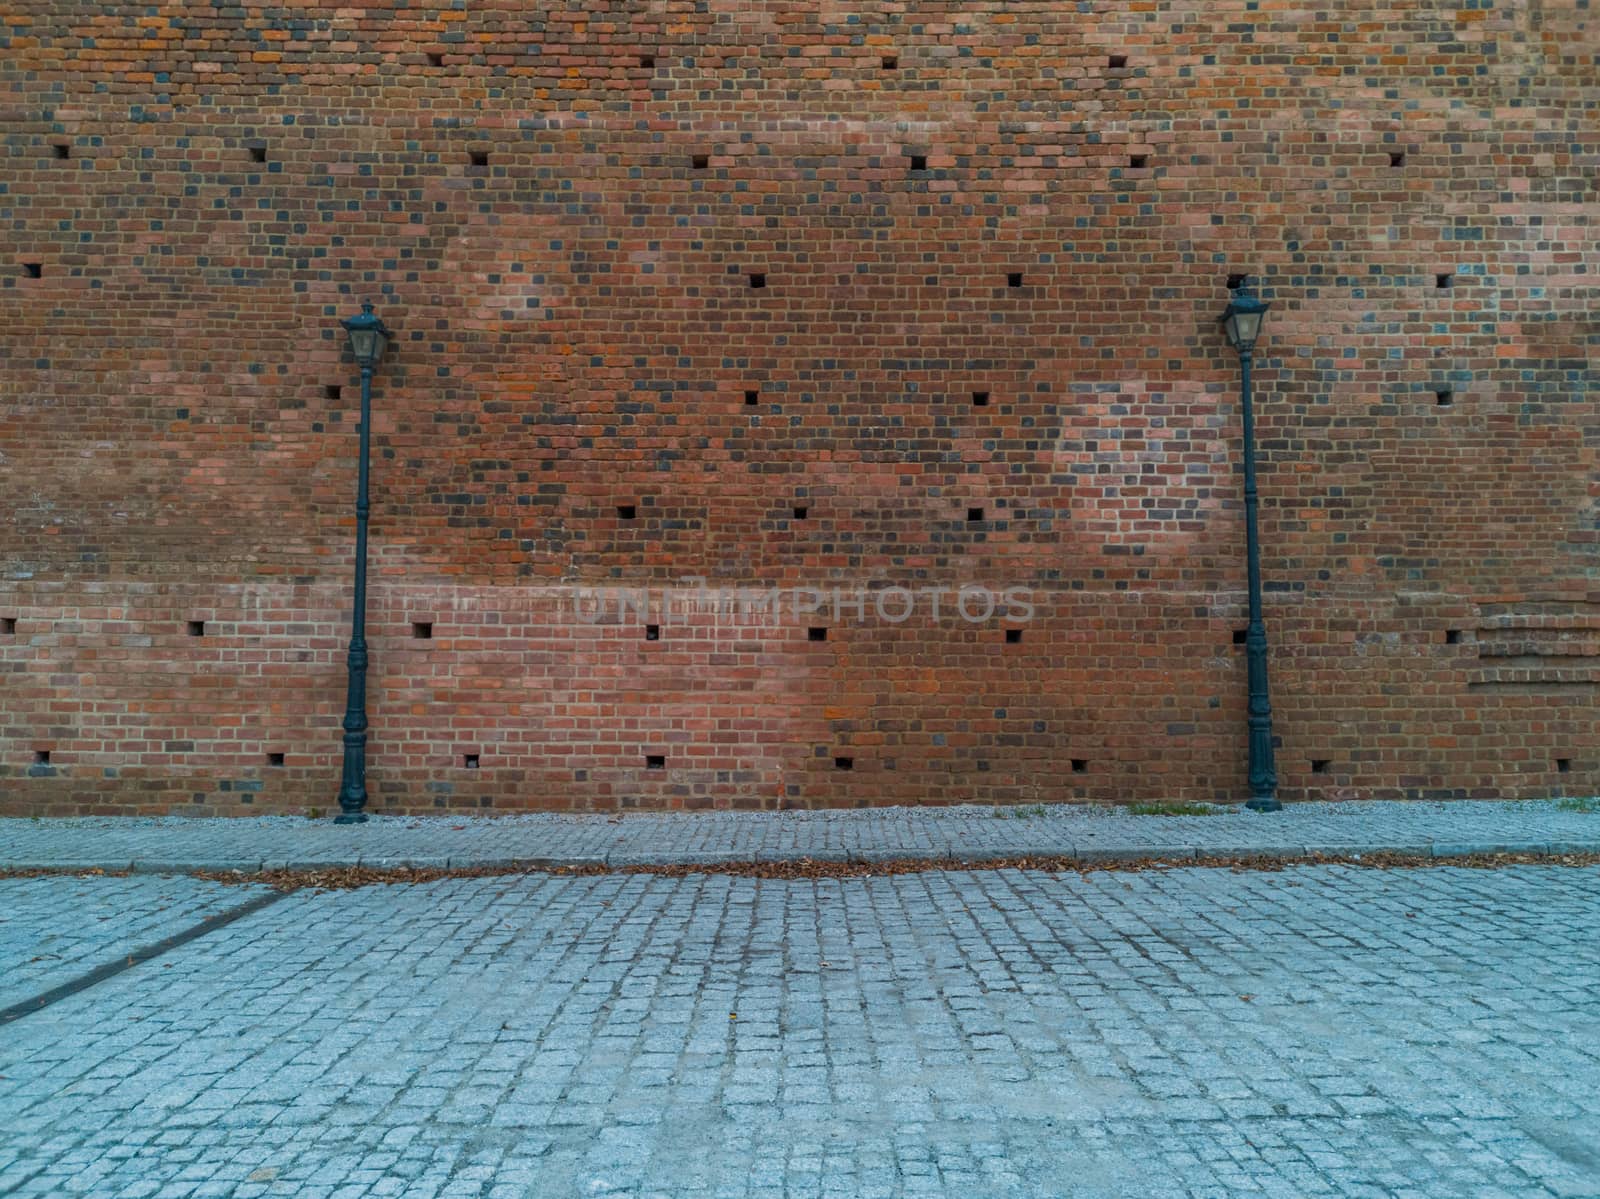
x=1142, y=465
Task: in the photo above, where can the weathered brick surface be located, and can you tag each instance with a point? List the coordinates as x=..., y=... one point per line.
x=577, y=332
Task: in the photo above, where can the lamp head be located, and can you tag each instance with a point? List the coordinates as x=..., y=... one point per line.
x=368, y=336
x=1242, y=320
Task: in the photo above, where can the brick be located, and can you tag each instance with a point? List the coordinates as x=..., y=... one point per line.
x=576, y=332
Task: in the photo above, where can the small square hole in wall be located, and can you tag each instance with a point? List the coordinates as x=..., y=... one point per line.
x=700, y=161
x=647, y=61
x=1443, y=281
x=274, y=759
x=435, y=60
x=800, y=513
x=332, y=391
x=890, y=62
x=1240, y=636
x=478, y=158
x=469, y=761
x=422, y=630
x=1013, y=636
x=1452, y=636
x=1397, y=158
x=1236, y=281
x=844, y=763
x=33, y=270
x=8, y=625
x=63, y=150
x=1319, y=765
x=655, y=761
x=1014, y=279
x=627, y=511
x=758, y=280
x=197, y=628
x=1444, y=398
x=816, y=634
x=258, y=154
x=980, y=399
x=752, y=397
x=41, y=757
x=652, y=632
x=974, y=513
x=1563, y=765
x=1138, y=161
x=1080, y=765
x=919, y=162
x=1117, y=61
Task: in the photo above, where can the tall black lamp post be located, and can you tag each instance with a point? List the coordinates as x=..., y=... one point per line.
x=1242, y=323
x=367, y=340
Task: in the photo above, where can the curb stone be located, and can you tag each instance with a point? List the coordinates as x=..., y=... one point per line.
x=670, y=857
x=209, y=865
x=66, y=864
x=1575, y=847
x=1348, y=849
x=811, y=855
x=1133, y=853
x=1251, y=851
x=895, y=853
x=399, y=862
x=998, y=853
x=1463, y=849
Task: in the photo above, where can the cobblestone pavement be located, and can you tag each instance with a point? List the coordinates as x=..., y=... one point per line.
x=547, y=839
x=55, y=930
x=1323, y=1030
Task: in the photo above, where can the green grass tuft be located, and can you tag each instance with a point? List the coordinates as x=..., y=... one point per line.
x=1173, y=809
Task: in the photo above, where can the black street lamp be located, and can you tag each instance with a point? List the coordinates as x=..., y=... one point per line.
x=1242, y=323
x=367, y=340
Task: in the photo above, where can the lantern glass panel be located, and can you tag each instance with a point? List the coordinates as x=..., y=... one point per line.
x=1244, y=328
x=367, y=344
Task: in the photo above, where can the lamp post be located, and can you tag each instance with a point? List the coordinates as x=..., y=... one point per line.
x=1242, y=323
x=367, y=340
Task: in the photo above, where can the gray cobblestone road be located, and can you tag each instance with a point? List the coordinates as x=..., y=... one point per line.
x=1193, y=1032
x=53, y=930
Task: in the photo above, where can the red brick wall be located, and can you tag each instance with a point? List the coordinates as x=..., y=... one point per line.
x=576, y=331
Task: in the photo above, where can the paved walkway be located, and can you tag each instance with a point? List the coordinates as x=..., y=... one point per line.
x=1319, y=1031
x=962, y=834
